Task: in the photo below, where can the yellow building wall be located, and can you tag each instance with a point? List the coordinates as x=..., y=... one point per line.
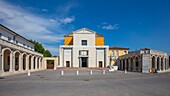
x=120, y=51
x=68, y=40
x=99, y=41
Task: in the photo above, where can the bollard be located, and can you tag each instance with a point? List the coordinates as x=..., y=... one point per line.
x=55, y=68
x=29, y=73
x=77, y=72
x=62, y=72
x=91, y=72
x=104, y=72
x=125, y=71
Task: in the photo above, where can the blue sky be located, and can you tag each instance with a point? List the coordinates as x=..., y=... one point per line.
x=127, y=23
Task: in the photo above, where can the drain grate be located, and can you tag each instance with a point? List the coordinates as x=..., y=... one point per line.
x=38, y=75
x=86, y=80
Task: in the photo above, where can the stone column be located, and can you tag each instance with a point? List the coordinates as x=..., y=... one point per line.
x=134, y=64
x=36, y=62
x=125, y=65
x=150, y=64
x=163, y=64
x=1, y=60
x=155, y=63
x=11, y=61
x=168, y=63
x=129, y=64
x=55, y=63
x=32, y=62
x=39, y=63
x=20, y=62
x=27, y=62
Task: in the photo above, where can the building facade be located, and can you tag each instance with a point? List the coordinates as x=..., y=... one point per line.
x=144, y=61
x=84, y=48
x=115, y=52
x=17, y=53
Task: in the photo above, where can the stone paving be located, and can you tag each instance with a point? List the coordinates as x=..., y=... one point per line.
x=51, y=83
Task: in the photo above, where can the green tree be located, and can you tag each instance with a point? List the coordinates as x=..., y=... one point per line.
x=39, y=48
x=47, y=53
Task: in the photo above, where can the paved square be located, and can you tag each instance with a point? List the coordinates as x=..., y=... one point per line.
x=51, y=83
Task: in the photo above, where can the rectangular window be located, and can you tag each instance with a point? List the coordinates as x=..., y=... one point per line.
x=112, y=52
x=9, y=38
x=117, y=53
x=16, y=42
x=83, y=52
x=0, y=34
x=83, y=42
x=124, y=52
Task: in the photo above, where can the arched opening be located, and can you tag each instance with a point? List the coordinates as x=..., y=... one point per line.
x=169, y=62
x=24, y=62
x=17, y=63
x=127, y=68
x=38, y=63
x=162, y=63
x=30, y=62
x=137, y=63
x=120, y=64
x=123, y=64
x=131, y=63
x=158, y=59
x=6, y=59
x=34, y=60
x=153, y=62
x=165, y=64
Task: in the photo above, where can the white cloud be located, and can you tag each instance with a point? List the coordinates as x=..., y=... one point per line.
x=110, y=27
x=67, y=20
x=45, y=10
x=63, y=20
x=31, y=25
x=53, y=49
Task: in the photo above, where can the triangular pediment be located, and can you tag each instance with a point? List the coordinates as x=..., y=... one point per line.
x=84, y=31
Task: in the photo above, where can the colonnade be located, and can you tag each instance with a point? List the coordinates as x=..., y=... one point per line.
x=15, y=60
x=135, y=63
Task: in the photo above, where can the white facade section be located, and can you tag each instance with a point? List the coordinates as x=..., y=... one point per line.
x=68, y=56
x=100, y=57
x=83, y=52
x=10, y=36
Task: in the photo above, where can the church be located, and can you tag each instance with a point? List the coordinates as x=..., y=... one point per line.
x=84, y=48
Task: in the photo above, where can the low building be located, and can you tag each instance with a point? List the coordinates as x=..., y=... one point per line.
x=17, y=53
x=84, y=48
x=144, y=60
x=115, y=52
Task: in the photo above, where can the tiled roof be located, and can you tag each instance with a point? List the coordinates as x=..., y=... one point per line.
x=116, y=47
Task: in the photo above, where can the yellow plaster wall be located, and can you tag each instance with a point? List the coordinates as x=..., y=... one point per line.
x=68, y=40
x=121, y=52
x=99, y=41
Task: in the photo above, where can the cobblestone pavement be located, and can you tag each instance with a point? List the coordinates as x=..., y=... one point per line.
x=51, y=83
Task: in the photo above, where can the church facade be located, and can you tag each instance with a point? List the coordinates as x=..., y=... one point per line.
x=84, y=48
